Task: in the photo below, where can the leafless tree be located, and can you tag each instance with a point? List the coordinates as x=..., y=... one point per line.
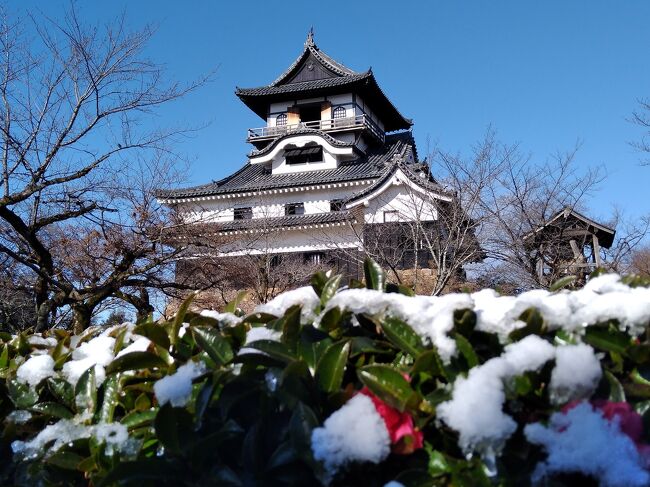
x=641, y=117
x=78, y=162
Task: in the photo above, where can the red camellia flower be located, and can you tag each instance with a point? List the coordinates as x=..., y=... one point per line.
x=404, y=437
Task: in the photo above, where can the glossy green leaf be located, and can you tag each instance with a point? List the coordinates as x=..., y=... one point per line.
x=428, y=363
x=160, y=470
x=466, y=350
x=212, y=343
x=85, y=392
x=232, y=306
x=331, y=366
x=22, y=395
x=389, y=385
x=437, y=464
x=135, y=361
x=173, y=427
x=374, y=274
x=110, y=399
x=62, y=390
x=138, y=418
x=53, y=409
x=65, y=459
x=291, y=326
x=562, y=283
x=4, y=356
x=534, y=325
x=402, y=336
x=318, y=281
x=616, y=391
x=329, y=289
x=154, y=332
x=180, y=318
x=607, y=339
x=276, y=350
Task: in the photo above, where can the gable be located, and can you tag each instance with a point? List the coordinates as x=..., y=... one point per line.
x=310, y=69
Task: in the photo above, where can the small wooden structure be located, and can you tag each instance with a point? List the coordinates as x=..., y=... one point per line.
x=568, y=244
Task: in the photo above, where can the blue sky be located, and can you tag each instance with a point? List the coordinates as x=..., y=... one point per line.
x=544, y=74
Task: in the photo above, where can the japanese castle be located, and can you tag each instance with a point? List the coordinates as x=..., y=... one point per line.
x=334, y=158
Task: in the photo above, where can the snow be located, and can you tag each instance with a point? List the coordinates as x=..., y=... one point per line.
x=576, y=374
x=35, y=369
x=603, y=298
x=97, y=352
x=229, y=319
x=19, y=416
x=41, y=341
x=259, y=333
x=431, y=317
x=354, y=433
x=176, y=388
x=394, y=483
x=54, y=436
x=475, y=410
x=581, y=440
x=141, y=344
x=304, y=296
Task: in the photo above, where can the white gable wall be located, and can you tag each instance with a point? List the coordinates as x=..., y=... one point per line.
x=402, y=204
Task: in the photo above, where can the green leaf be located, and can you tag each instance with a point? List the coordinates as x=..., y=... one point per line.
x=22, y=395
x=375, y=277
x=173, y=428
x=562, y=283
x=212, y=343
x=607, y=339
x=399, y=289
x=616, y=391
x=318, y=281
x=329, y=289
x=534, y=325
x=62, y=390
x=389, y=385
x=138, y=418
x=85, y=392
x=111, y=398
x=259, y=318
x=232, y=306
x=402, y=336
x=135, y=361
x=331, y=366
x=4, y=356
x=53, y=409
x=302, y=423
x=131, y=473
x=65, y=459
x=429, y=363
x=331, y=320
x=276, y=350
x=437, y=464
x=180, y=318
x=466, y=350
x=291, y=326
x=154, y=332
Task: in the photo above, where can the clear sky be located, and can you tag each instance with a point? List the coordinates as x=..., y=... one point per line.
x=544, y=73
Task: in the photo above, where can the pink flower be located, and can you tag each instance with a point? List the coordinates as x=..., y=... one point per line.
x=404, y=437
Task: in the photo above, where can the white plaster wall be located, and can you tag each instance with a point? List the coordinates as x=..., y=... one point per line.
x=292, y=240
x=265, y=206
x=407, y=202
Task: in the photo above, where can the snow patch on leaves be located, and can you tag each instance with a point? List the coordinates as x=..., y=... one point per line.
x=304, y=296
x=582, y=440
x=176, y=388
x=35, y=369
x=354, y=433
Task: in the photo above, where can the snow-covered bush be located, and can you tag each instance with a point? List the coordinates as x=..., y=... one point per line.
x=342, y=386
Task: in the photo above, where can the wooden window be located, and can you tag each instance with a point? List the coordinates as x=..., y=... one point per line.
x=339, y=112
x=314, y=258
x=294, y=209
x=336, y=205
x=243, y=213
x=391, y=216
x=281, y=120
x=304, y=155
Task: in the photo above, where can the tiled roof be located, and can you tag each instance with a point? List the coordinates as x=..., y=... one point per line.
x=285, y=221
x=304, y=85
x=255, y=177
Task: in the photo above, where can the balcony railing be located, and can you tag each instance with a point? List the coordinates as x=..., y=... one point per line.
x=332, y=125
